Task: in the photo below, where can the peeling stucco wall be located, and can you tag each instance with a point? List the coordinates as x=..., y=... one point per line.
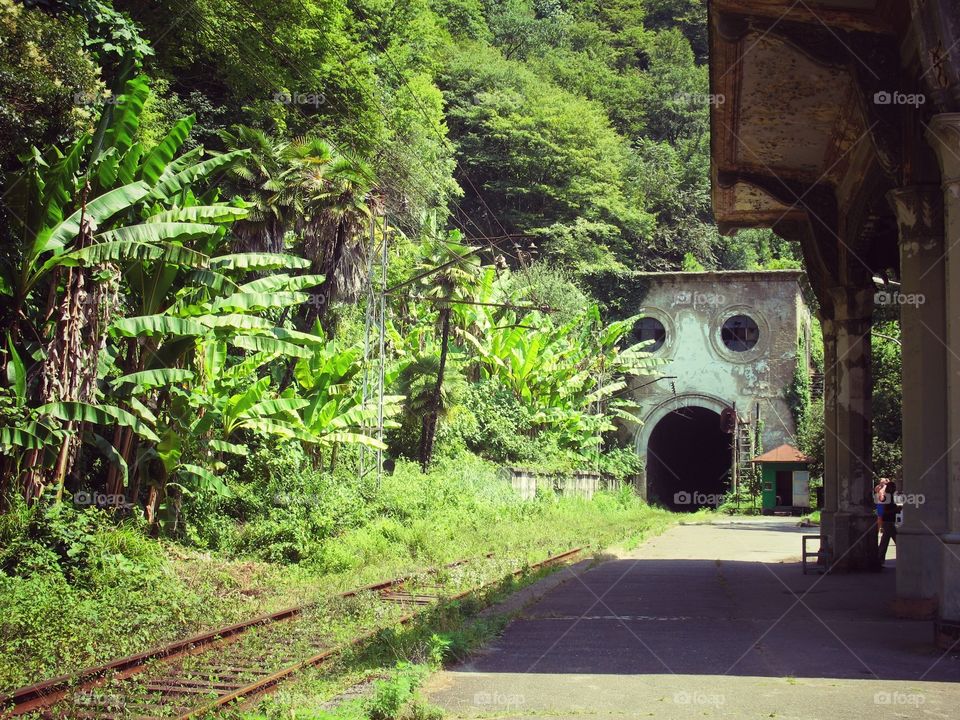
x=693, y=308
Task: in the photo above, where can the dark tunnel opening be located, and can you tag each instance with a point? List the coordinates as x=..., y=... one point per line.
x=688, y=460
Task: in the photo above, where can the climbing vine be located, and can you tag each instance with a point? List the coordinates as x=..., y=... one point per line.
x=797, y=394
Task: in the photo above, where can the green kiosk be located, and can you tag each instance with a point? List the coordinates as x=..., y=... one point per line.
x=785, y=481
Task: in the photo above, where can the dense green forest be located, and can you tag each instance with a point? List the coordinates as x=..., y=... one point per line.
x=576, y=131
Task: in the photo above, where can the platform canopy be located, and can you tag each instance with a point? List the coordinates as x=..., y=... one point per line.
x=801, y=130
x=837, y=124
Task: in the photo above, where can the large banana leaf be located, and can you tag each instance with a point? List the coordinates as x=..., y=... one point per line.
x=150, y=379
x=70, y=411
x=59, y=183
x=141, y=410
x=128, y=251
x=111, y=453
x=301, y=338
x=157, y=325
x=354, y=438
x=260, y=343
x=218, y=283
x=281, y=406
x=98, y=211
x=107, y=252
x=228, y=447
x=232, y=322
x=130, y=164
x=200, y=213
x=123, y=116
x=239, y=404
x=158, y=159
x=158, y=232
x=258, y=261
x=16, y=437
x=244, y=302
x=170, y=185
x=273, y=427
x=207, y=480
x=247, y=367
x=284, y=282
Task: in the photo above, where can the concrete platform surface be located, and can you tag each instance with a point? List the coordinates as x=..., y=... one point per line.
x=712, y=620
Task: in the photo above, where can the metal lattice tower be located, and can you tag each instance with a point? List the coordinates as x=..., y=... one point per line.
x=374, y=347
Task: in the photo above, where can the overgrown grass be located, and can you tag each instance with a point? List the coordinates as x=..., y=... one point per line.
x=77, y=589
x=381, y=680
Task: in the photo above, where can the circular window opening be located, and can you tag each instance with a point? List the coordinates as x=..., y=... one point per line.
x=740, y=333
x=650, y=329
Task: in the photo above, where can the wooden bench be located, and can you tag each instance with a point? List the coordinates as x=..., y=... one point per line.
x=821, y=554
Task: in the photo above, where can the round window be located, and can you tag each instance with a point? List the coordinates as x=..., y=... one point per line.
x=647, y=330
x=740, y=333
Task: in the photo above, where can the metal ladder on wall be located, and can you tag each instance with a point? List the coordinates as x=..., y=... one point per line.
x=743, y=451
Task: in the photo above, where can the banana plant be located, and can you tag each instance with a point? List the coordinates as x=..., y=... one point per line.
x=568, y=375
x=336, y=411
x=78, y=217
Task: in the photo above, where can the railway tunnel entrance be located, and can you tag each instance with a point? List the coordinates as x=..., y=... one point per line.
x=688, y=460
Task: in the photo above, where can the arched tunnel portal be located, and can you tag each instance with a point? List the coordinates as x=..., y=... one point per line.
x=688, y=458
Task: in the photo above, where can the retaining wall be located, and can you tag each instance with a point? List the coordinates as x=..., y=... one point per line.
x=578, y=484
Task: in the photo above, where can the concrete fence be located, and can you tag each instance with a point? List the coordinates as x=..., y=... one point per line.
x=577, y=483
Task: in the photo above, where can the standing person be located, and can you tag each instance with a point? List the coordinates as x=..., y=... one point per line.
x=888, y=527
x=878, y=495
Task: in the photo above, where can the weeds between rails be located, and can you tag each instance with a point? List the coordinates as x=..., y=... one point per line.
x=194, y=676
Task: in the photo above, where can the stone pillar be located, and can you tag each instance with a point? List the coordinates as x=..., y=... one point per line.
x=829, y=429
x=919, y=212
x=854, y=536
x=944, y=135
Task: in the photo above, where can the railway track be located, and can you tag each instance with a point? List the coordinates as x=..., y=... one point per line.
x=194, y=677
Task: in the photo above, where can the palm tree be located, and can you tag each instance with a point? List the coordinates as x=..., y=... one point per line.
x=456, y=275
x=326, y=198
x=262, y=182
x=338, y=202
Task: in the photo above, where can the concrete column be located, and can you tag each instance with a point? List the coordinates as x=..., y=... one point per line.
x=829, y=428
x=854, y=524
x=919, y=212
x=944, y=135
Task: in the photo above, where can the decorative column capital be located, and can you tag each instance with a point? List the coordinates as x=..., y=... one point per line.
x=919, y=211
x=943, y=134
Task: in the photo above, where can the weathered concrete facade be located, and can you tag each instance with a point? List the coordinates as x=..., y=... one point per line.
x=709, y=368
x=840, y=128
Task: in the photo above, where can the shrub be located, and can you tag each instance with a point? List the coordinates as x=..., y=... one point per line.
x=502, y=423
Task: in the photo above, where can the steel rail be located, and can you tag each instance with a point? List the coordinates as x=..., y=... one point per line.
x=49, y=692
x=259, y=687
